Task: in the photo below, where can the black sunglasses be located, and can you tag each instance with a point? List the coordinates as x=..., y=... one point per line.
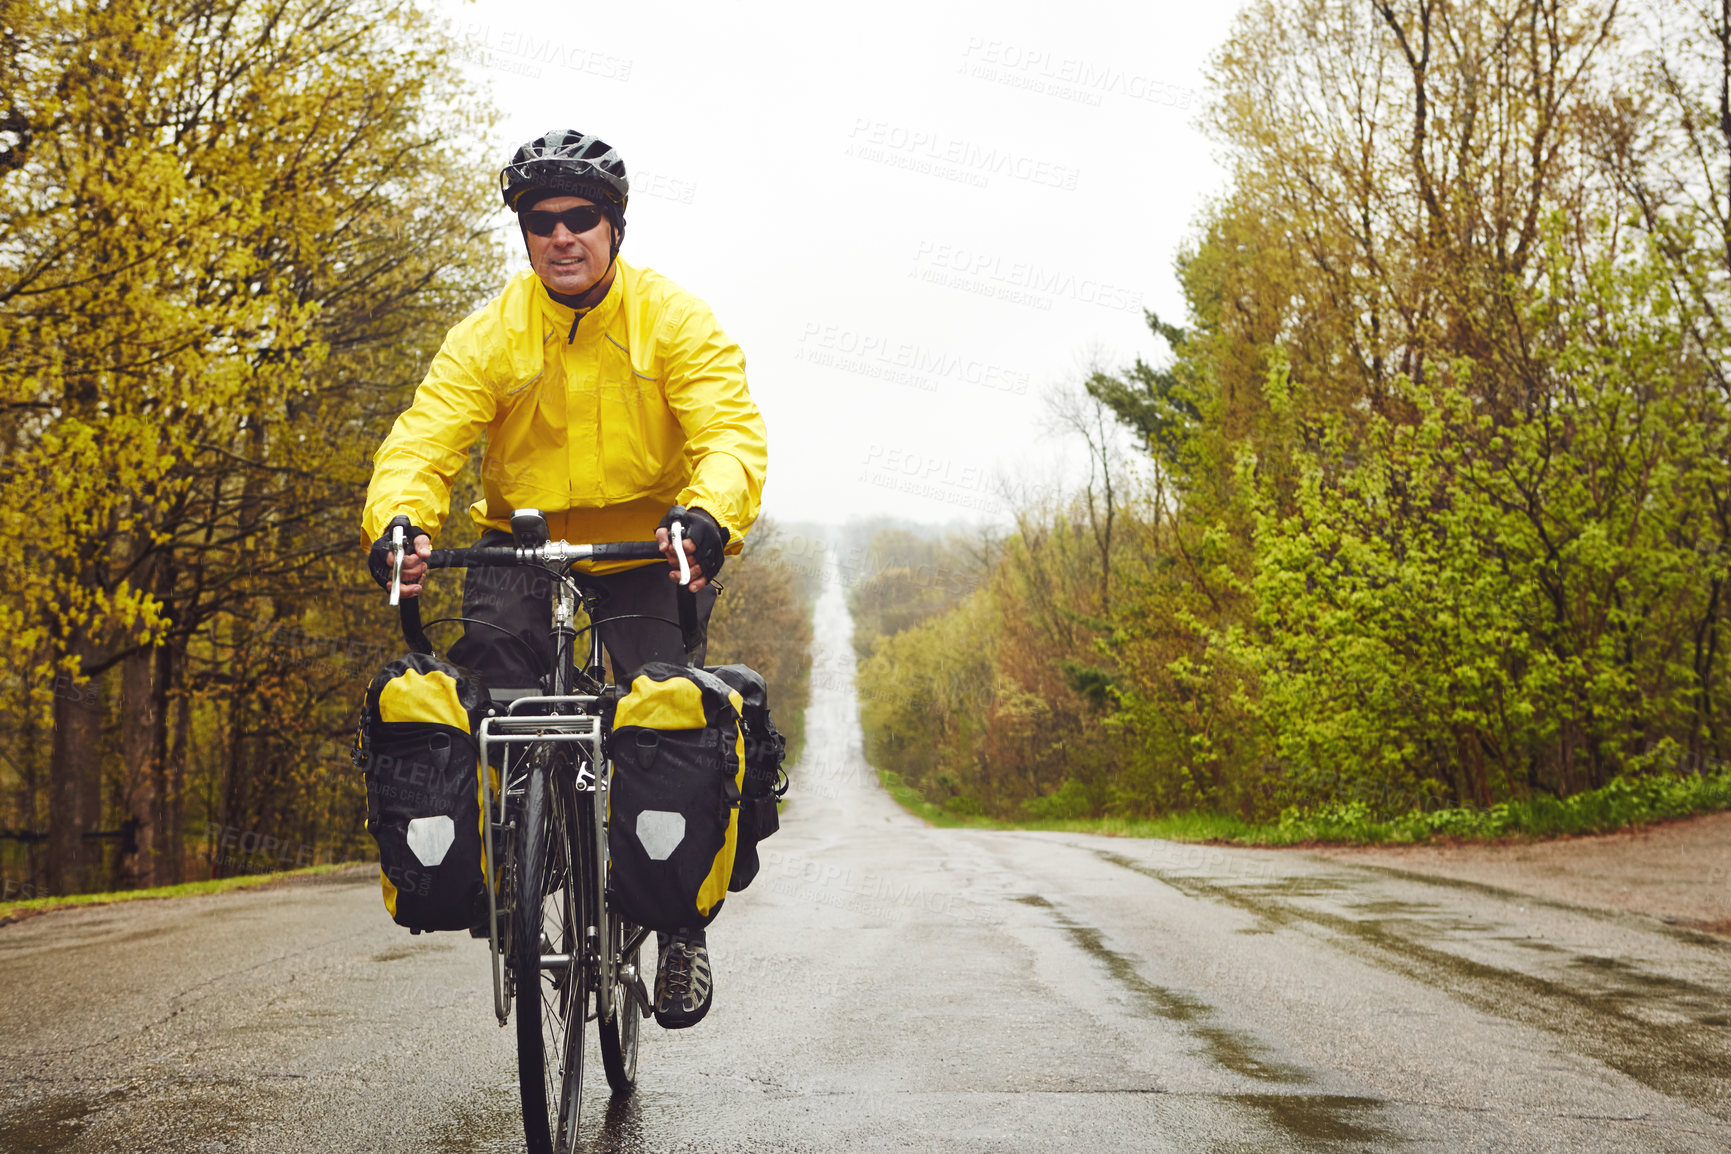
x=578, y=220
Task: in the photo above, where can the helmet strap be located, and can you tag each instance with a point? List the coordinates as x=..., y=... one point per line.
x=616, y=223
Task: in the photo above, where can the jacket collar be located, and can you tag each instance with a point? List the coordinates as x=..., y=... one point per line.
x=598, y=317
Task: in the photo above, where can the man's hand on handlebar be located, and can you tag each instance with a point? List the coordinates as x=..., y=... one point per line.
x=381, y=558
x=698, y=580
x=704, y=541
x=415, y=566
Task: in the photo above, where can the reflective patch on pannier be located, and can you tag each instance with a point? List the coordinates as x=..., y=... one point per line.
x=660, y=832
x=678, y=758
x=430, y=837
x=416, y=747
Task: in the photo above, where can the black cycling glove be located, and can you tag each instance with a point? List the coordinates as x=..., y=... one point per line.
x=379, y=557
x=702, y=531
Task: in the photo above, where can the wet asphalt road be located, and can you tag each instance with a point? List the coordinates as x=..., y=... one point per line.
x=884, y=986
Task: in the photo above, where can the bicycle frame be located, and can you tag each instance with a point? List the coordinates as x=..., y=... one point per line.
x=551, y=744
x=580, y=726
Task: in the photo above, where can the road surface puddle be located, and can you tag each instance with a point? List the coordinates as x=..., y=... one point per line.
x=494, y=1124
x=1227, y=1048
x=1645, y=1024
x=46, y=1125
x=1317, y=1122
x=1311, y=1122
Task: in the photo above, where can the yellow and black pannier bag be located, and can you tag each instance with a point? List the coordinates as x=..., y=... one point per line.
x=765, y=782
x=673, y=808
x=416, y=744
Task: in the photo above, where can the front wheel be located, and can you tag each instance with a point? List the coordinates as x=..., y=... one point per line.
x=552, y=981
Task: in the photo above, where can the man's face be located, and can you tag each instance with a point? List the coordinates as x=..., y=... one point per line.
x=567, y=262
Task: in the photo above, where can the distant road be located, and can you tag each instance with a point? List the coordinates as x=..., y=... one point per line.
x=885, y=986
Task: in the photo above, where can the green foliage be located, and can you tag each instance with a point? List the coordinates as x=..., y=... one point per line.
x=1621, y=804
x=1068, y=802
x=1462, y=607
x=1625, y=803
x=902, y=579
x=1436, y=496
x=1091, y=683
x=232, y=234
x=1153, y=403
x=915, y=803
x=963, y=806
x=926, y=694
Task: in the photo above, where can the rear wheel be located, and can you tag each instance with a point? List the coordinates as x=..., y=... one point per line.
x=617, y=1029
x=552, y=982
x=618, y=1034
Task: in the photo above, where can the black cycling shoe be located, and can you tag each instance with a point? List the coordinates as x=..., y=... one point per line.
x=684, y=986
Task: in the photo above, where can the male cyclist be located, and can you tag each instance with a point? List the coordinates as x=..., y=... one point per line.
x=613, y=402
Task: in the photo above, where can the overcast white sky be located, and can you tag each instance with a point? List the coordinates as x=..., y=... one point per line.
x=916, y=219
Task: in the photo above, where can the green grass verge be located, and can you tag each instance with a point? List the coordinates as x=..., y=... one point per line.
x=1623, y=804
x=1171, y=827
x=10, y=910
x=911, y=800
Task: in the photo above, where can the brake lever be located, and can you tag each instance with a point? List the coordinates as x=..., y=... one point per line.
x=677, y=535
x=397, y=565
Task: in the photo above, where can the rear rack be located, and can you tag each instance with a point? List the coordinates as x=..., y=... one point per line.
x=514, y=728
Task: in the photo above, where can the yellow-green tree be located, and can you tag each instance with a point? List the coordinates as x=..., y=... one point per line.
x=231, y=231
x=1438, y=507
x=901, y=578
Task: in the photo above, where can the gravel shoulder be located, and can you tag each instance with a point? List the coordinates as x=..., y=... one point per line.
x=1678, y=872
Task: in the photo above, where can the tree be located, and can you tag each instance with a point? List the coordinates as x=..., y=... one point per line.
x=230, y=233
x=1440, y=493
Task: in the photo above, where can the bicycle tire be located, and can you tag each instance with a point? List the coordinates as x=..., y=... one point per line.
x=551, y=1004
x=618, y=1033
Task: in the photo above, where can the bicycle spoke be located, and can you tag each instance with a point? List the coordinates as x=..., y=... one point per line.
x=618, y=1034
x=551, y=998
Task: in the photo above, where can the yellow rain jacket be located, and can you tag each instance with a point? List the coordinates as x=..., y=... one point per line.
x=644, y=406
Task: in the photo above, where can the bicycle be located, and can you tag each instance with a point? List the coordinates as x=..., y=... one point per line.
x=551, y=925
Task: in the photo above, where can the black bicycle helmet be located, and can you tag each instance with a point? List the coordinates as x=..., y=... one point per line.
x=565, y=160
